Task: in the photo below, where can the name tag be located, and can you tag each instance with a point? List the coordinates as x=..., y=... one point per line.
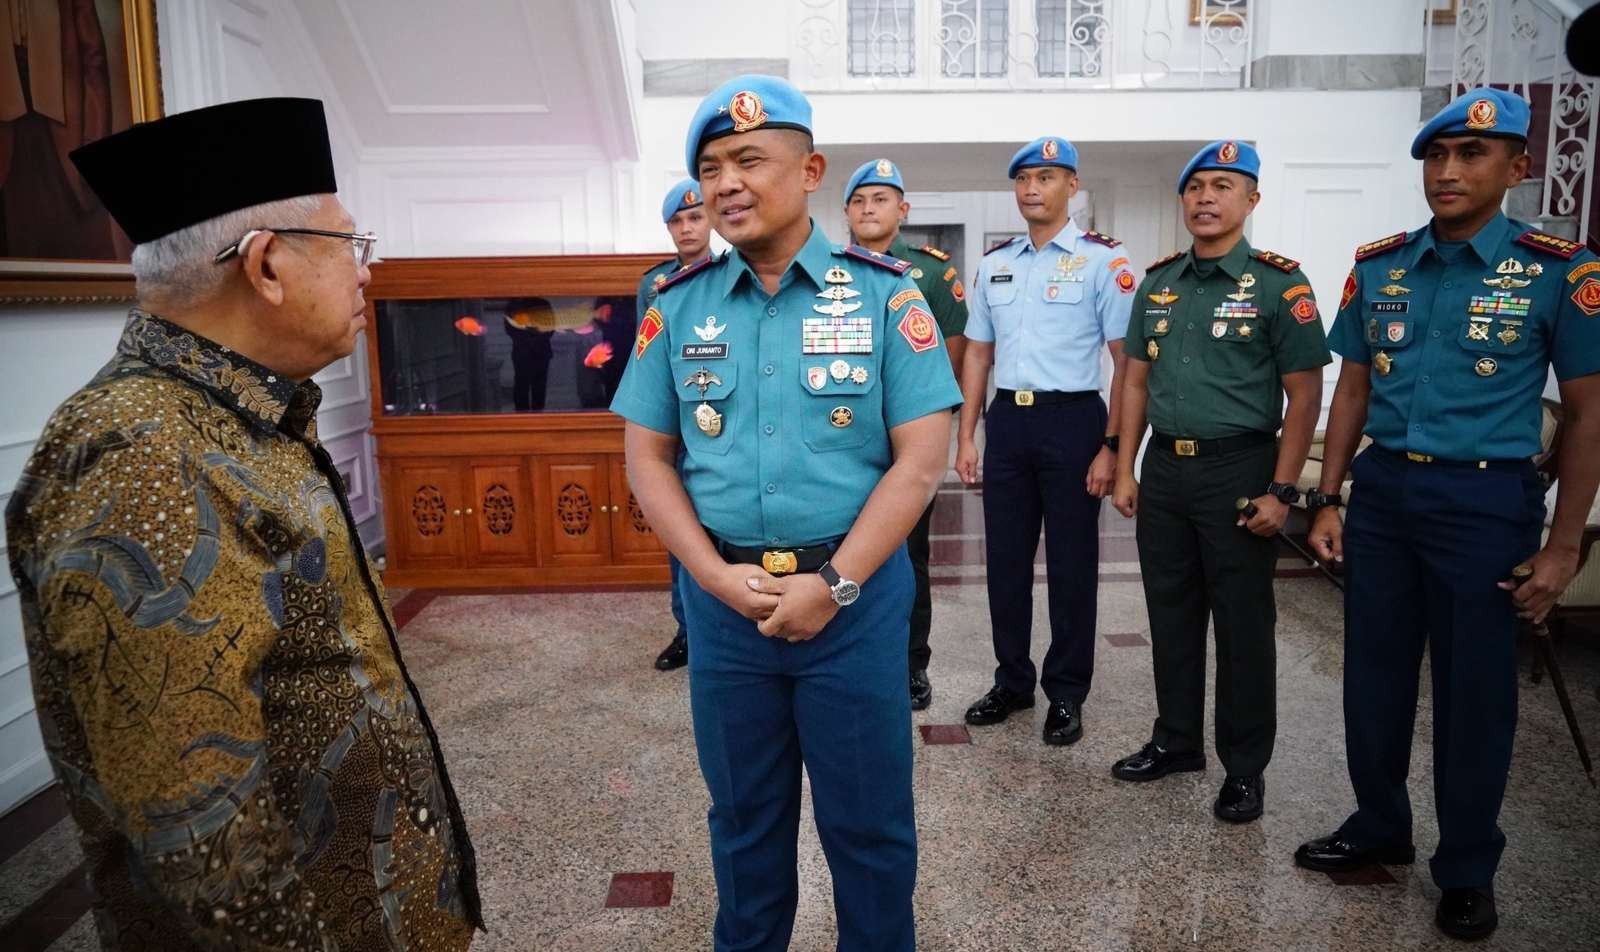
x=1390, y=307
x=1000, y=278
x=717, y=351
x=1158, y=311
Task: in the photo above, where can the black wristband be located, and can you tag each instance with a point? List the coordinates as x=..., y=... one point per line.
x=1112, y=442
x=1316, y=499
x=1286, y=493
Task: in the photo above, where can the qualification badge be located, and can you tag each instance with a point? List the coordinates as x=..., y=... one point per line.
x=1384, y=363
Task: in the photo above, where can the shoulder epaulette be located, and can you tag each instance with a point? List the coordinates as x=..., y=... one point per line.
x=683, y=274
x=1378, y=247
x=1560, y=247
x=1002, y=244
x=881, y=260
x=941, y=255
x=1162, y=262
x=1286, y=265
x=1100, y=239
x=659, y=264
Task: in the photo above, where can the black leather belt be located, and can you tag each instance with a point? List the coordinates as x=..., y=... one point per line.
x=778, y=561
x=1228, y=444
x=1042, y=398
x=1508, y=465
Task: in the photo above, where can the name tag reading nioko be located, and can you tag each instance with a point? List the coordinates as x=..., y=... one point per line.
x=1390, y=307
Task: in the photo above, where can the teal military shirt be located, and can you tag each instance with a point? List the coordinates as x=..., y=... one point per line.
x=1459, y=350
x=1219, y=345
x=784, y=409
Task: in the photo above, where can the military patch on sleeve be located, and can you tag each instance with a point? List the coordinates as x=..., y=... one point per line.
x=1588, y=267
x=1559, y=247
x=1100, y=239
x=899, y=300
x=949, y=273
x=650, y=326
x=1160, y=262
x=999, y=245
x=1380, y=246
x=1286, y=265
x=957, y=291
x=917, y=328
x=1125, y=281
x=1296, y=291
x=1117, y=263
x=1304, y=310
x=1350, y=288
x=683, y=274
x=1587, y=297
x=942, y=256
x=881, y=260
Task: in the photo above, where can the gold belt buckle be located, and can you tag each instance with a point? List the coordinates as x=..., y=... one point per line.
x=1023, y=398
x=1418, y=457
x=779, y=563
x=1186, y=447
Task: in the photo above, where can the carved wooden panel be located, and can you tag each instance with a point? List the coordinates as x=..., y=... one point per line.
x=499, y=510
x=632, y=539
x=425, y=509
x=502, y=529
x=575, y=510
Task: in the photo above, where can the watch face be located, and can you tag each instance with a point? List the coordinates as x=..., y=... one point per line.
x=846, y=592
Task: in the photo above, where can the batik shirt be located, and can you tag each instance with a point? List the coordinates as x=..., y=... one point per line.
x=216, y=672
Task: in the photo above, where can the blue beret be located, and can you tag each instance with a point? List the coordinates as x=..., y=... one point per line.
x=1045, y=150
x=1227, y=156
x=744, y=104
x=876, y=172
x=1492, y=113
x=686, y=194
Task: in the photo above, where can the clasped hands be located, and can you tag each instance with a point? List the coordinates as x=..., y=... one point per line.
x=792, y=607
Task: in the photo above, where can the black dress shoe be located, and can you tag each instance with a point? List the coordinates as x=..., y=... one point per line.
x=1335, y=854
x=1064, y=724
x=1153, y=762
x=675, y=655
x=1467, y=914
x=1240, y=799
x=921, y=690
x=996, y=706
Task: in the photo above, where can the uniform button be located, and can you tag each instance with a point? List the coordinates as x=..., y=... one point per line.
x=1418, y=427
x=769, y=429
x=1191, y=327
x=1185, y=360
x=1426, y=379
x=772, y=312
x=1447, y=284
x=767, y=370
x=772, y=487
x=1199, y=290
x=774, y=540
x=1436, y=333
x=1182, y=397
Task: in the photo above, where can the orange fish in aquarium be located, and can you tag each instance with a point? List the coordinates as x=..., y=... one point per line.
x=470, y=326
x=599, y=355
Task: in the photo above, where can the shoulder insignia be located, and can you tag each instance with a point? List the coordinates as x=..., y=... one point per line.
x=942, y=256
x=1003, y=244
x=684, y=274
x=881, y=260
x=666, y=261
x=1286, y=265
x=1163, y=262
x=1378, y=247
x=1100, y=239
x=1560, y=247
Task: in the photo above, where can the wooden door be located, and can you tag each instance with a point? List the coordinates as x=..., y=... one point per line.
x=574, y=502
x=425, y=530
x=499, y=514
x=633, y=542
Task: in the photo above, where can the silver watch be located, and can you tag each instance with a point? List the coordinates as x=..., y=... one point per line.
x=844, y=590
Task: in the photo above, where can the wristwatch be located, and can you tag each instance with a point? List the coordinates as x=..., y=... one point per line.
x=844, y=590
x=1316, y=500
x=1287, y=493
x=1112, y=442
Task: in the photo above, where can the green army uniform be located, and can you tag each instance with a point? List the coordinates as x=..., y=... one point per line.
x=1218, y=335
x=938, y=281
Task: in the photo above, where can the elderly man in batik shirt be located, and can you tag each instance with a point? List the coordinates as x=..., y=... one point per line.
x=216, y=672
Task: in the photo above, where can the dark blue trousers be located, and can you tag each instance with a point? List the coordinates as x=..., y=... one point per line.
x=1424, y=546
x=836, y=705
x=1035, y=462
x=677, y=594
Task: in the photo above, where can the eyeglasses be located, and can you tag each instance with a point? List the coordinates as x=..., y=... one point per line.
x=360, y=245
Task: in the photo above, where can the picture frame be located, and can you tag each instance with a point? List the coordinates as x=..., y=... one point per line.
x=1223, y=14
x=77, y=255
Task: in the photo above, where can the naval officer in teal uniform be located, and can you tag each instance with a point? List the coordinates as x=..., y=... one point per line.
x=683, y=212
x=802, y=382
x=1448, y=334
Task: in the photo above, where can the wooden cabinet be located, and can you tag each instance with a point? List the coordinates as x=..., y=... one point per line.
x=480, y=496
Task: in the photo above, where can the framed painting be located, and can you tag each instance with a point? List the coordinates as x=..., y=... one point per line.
x=71, y=72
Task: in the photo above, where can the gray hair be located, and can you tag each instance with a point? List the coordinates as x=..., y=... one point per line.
x=179, y=269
